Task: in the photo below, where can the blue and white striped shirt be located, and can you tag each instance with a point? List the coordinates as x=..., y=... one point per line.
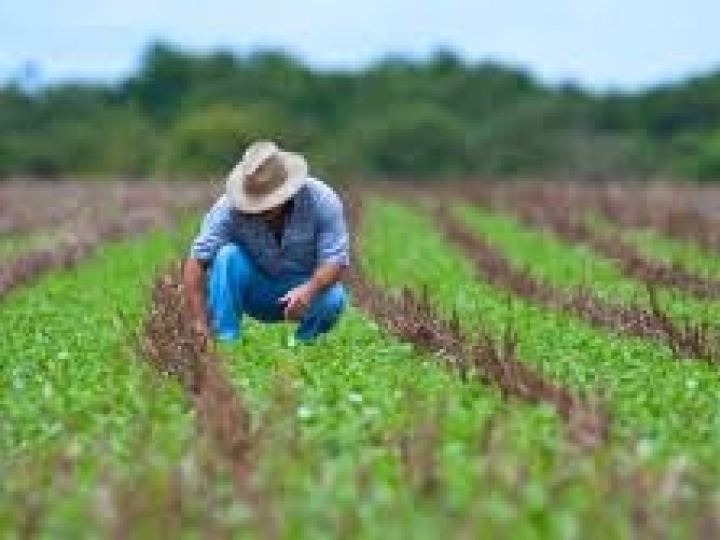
x=315, y=233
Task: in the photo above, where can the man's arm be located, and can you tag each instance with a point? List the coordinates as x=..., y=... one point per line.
x=297, y=300
x=326, y=276
x=332, y=253
x=194, y=277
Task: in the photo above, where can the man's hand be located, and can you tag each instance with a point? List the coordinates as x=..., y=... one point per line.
x=297, y=301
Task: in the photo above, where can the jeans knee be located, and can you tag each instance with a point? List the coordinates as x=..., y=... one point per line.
x=228, y=253
x=232, y=262
x=323, y=314
x=231, y=255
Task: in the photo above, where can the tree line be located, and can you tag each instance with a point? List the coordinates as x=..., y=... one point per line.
x=185, y=115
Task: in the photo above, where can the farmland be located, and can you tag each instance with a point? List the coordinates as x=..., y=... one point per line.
x=520, y=360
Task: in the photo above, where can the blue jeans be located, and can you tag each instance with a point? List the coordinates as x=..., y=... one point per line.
x=235, y=287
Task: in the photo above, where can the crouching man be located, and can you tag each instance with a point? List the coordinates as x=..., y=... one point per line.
x=274, y=247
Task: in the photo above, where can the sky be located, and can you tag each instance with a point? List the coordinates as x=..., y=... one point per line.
x=624, y=44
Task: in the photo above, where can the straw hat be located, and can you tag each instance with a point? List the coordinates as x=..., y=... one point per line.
x=265, y=178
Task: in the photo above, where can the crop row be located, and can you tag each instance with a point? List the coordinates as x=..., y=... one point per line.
x=27, y=207
x=684, y=211
x=688, y=214
x=359, y=434
x=104, y=439
x=79, y=415
x=568, y=268
x=649, y=393
x=552, y=211
x=631, y=374
x=170, y=343
x=491, y=358
x=83, y=236
x=373, y=398
x=688, y=339
x=601, y=268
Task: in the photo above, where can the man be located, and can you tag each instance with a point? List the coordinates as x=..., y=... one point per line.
x=275, y=247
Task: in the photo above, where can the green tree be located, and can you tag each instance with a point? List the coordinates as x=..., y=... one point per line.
x=209, y=142
x=698, y=156
x=158, y=89
x=192, y=114
x=416, y=140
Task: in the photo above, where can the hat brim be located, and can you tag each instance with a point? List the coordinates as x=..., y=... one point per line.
x=297, y=170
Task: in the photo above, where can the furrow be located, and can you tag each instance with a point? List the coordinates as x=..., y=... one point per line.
x=685, y=339
x=170, y=343
x=565, y=221
x=84, y=240
x=492, y=360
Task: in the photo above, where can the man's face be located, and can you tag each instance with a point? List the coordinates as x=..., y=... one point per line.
x=273, y=214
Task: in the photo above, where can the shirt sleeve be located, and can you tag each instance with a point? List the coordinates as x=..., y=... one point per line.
x=332, y=237
x=214, y=232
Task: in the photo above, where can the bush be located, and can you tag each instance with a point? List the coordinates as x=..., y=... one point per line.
x=209, y=142
x=416, y=140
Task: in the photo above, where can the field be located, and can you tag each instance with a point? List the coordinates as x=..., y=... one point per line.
x=520, y=360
